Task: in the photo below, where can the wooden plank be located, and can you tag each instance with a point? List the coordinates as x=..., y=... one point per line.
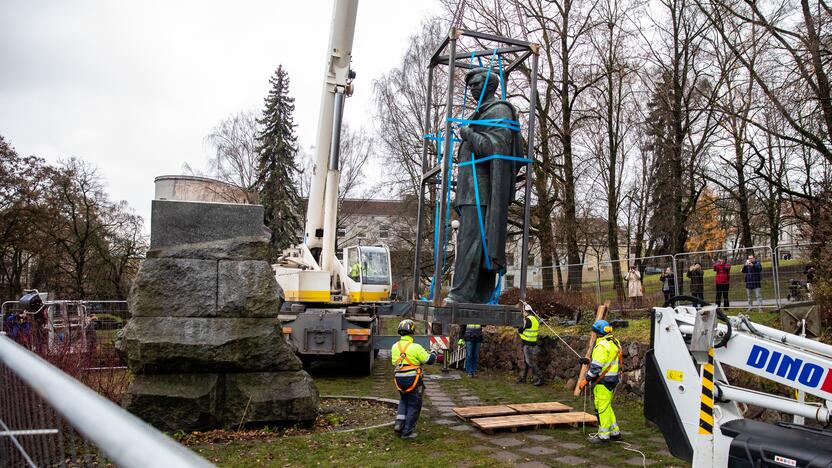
x=599, y=315
x=545, y=407
x=565, y=418
x=506, y=422
x=468, y=412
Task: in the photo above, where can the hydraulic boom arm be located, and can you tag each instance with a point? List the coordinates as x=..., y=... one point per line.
x=322, y=208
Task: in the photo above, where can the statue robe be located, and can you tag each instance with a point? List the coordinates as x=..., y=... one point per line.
x=473, y=279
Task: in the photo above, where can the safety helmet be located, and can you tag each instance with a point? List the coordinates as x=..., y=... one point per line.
x=601, y=327
x=406, y=327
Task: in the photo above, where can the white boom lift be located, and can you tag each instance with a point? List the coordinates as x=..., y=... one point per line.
x=687, y=393
x=329, y=305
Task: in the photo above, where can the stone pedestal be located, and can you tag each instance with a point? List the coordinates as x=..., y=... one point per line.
x=204, y=341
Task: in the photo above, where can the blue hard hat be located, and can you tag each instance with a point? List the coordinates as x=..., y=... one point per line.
x=601, y=327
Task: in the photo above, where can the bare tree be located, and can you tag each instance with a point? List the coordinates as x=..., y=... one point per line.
x=615, y=111
x=796, y=80
x=235, y=152
x=681, y=119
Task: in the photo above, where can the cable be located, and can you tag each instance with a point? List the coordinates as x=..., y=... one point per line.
x=629, y=447
x=550, y=329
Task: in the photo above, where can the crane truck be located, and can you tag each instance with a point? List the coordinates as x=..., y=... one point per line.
x=331, y=305
x=688, y=395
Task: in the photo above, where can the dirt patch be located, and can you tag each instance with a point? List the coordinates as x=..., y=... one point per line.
x=333, y=415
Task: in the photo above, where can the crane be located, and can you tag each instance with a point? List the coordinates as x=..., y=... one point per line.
x=330, y=307
x=688, y=395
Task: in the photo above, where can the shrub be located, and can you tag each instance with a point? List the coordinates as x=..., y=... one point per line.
x=551, y=303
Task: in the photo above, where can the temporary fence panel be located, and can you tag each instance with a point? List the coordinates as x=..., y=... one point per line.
x=794, y=272
x=737, y=293
x=641, y=285
x=580, y=277
x=49, y=419
x=84, y=329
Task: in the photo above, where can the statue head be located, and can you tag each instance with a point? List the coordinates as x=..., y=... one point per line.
x=475, y=79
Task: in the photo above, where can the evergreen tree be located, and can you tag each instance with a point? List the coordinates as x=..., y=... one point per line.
x=277, y=168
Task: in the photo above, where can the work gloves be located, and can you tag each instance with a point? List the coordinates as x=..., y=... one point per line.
x=582, y=384
x=461, y=342
x=584, y=361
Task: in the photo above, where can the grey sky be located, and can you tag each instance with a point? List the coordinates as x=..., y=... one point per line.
x=135, y=86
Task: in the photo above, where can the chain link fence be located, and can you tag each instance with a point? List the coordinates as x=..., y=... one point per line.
x=735, y=278
x=47, y=418
x=577, y=277
x=794, y=272
x=635, y=283
x=84, y=329
x=755, y=278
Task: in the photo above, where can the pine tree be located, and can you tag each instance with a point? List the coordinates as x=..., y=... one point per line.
x=277, y=168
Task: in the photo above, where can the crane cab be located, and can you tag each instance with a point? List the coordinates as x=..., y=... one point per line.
x=367, y=277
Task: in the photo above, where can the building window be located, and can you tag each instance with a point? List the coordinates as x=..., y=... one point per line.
x=383, y=232
x=341, y=233
x=531, y=260
x=510, y=259
x=509, y=281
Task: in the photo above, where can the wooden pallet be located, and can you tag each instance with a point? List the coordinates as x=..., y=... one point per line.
x=520, y=421
x=468, y=412
x=577, y=417
x=545, y=407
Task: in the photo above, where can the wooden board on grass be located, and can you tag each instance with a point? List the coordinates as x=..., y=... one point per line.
x=513, y=422
x=468, y=412
x=544, y=407
x=526, y=421
x=600, y=314
x=565, y=418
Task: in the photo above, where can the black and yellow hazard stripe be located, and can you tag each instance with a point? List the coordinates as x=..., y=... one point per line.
x=706, y=410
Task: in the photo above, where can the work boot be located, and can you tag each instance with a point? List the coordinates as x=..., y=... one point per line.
x=410, y=436
x=595, y=439
x=615, y=437
x=538, y=383
x=397, y=428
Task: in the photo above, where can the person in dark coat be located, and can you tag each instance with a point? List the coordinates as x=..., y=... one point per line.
x=752, y=270
x=668, y=284
x=722, y=280
x=483, y=192
x=697, y=282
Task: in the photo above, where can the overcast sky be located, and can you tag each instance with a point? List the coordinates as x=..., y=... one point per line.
x=134, y=86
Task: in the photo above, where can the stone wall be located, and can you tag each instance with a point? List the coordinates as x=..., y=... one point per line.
x=502, y=351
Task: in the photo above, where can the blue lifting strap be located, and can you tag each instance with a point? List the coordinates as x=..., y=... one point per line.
x=495, y=294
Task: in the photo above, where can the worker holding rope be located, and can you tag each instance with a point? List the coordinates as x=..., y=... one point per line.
x=603, y=375
x=408, y=358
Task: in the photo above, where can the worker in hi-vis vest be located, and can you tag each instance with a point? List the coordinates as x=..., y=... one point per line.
x=603, y=376
x=528, y=336
x=408, y=358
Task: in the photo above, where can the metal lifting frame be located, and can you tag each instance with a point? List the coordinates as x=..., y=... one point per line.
x=429, y=172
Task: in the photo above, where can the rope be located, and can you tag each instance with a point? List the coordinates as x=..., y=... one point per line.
x=630, y=448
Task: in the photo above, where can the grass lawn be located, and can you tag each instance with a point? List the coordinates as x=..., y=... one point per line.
x=438, y=445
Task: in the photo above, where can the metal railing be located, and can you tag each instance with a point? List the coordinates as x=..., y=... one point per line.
x=87, y=329
x=49, y=419
x=782, y=280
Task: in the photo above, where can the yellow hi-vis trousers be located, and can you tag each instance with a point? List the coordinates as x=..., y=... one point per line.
x=606, y=417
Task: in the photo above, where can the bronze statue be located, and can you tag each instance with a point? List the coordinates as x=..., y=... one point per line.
x=474, y=274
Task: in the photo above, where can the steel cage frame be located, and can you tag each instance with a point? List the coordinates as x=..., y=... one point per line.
x=505, y=46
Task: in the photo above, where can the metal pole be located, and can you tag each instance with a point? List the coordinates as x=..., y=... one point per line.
x=675, y=277
x=775, y=266
x=446, y=167
x=597, y=279
x=527, y=201
x=126, y=439
x=420, y=210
